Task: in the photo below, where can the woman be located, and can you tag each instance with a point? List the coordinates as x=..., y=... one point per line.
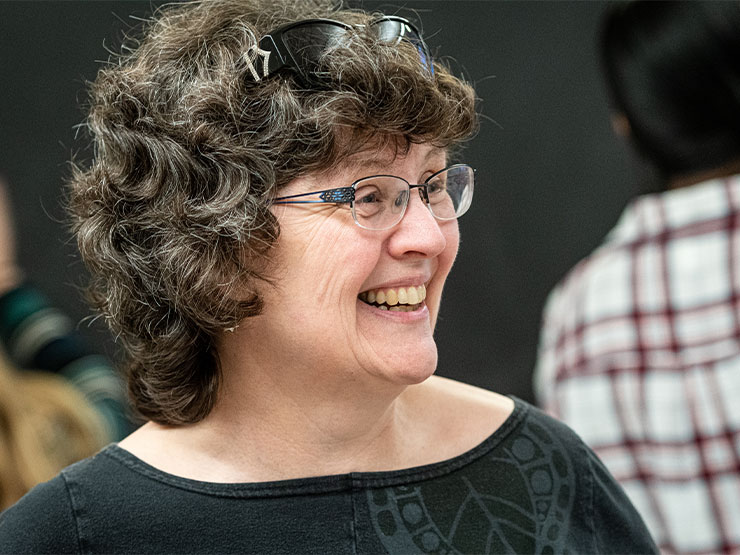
x=269, y=221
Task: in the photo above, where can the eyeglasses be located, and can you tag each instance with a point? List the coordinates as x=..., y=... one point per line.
x=379, y=202
x=300, y=45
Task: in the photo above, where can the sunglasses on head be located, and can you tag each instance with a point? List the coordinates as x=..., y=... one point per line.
x=299, y=46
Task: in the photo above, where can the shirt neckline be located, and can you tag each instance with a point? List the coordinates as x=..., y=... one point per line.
x=323, y=484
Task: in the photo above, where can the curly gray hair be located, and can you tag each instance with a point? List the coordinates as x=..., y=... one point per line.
x=172, y=215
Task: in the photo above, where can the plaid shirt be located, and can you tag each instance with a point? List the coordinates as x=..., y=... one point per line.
x=640, y=354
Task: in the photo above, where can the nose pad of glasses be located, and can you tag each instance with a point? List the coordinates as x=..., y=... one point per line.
x=424, y=195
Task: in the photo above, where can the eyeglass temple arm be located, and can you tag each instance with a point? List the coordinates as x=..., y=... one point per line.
x=340, y=195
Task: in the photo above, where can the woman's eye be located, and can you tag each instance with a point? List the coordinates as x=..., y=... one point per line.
x=367, y=195
x=435, y=187
x=401, y=199
x=367, y=199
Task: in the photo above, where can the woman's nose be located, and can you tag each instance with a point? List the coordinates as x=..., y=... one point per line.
x=418, y=231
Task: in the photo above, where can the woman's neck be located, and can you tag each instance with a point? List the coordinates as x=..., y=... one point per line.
x=273, y=423
x=287, y=425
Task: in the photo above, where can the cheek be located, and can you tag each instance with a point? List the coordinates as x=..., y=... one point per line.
x=330, y=265
x=445, y=261
x=452, y=237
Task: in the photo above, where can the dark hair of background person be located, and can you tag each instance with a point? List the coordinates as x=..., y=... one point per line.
x=676, y=84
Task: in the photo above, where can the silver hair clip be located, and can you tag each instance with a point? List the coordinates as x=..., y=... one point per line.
x=253, y=53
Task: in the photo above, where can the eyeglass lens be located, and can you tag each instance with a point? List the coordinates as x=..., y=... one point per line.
x=380, y=201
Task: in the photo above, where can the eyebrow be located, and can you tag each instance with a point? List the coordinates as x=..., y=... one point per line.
x=357, y=161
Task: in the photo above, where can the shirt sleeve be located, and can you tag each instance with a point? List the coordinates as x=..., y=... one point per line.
x=41, y=522
x=37, y=336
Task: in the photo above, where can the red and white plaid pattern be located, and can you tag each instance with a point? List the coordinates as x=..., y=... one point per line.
x=640, y=354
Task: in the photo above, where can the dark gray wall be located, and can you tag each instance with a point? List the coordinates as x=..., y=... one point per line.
x=552, y=178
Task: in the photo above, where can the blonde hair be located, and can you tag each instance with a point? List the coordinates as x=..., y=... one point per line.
x=45, y=425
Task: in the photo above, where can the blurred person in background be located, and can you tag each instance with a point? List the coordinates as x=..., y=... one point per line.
x=640, y=344
x=60, y=401
x=269, y=220
x=46, y=424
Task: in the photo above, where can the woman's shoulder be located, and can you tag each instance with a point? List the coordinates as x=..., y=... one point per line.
x=464, y=416
x=45, y=519
x=531, y=464
x=456, y=416
x=41, y=522
x=550, y=466
x=465, y=402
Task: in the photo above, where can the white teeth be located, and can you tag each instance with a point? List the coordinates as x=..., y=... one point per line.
x=383, y=307
x=403, y=297
x=391, y=297
x=406, y=297
x=412, y=296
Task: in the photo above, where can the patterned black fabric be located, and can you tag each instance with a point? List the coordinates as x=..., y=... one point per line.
x=532, y=487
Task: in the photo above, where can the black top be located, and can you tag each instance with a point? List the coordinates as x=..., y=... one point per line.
x=531, y=487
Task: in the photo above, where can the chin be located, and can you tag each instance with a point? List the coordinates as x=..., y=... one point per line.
x=411, y=372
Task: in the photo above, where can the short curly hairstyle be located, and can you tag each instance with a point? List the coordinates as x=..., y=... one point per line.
x=172, y=214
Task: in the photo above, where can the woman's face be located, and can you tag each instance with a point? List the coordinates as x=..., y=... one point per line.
x=327, y=268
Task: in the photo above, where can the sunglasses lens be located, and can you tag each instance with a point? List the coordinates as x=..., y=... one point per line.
x=308, y=43
x=393, y=31
x=389, y=30
x=302, y=46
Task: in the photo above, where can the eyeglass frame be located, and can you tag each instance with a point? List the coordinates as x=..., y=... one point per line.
x=273, y=43
x=346, y=195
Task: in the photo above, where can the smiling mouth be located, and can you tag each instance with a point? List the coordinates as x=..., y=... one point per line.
x=401, y=299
